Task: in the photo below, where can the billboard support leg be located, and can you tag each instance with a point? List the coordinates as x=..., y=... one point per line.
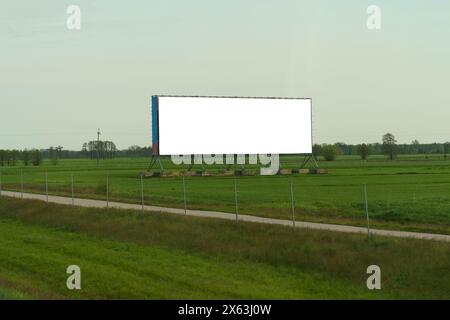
x=155, y=158
x=309, y=158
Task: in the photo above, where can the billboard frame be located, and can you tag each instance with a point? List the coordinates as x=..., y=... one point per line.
x=155, y=115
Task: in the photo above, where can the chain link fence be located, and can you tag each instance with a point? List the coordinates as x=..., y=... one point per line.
x=291, y=197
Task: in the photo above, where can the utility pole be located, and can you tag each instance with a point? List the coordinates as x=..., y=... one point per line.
x=98, y=146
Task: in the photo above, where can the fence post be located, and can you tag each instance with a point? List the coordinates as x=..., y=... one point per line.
x=107, y=190
x=367, y=211
x=142, y=191
x=184, y=195
x=73, y=198
x=0, y=183
x=21, y=183
x=292, y=204
x=46, y=185
x=236, y=198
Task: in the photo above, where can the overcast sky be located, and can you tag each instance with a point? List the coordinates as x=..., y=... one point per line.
x=57, y=86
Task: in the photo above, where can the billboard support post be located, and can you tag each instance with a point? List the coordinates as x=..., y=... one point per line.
x=309, y=158
x=155, y=158
x=155, y=135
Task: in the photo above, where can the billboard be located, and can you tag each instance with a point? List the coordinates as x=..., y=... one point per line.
x=231, y=125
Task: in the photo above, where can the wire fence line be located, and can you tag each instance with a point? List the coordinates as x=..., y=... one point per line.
x=235, y=193
x=348, y=200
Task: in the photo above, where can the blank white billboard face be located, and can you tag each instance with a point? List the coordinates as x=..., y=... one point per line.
x=209, y=125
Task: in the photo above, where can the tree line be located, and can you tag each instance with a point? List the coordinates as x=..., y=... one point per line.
x=27, y=157
x=89, y=150
x=108, y=150
x=99, y=149
x=388, y=147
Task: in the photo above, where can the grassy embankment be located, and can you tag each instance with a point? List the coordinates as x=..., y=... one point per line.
x=126, y=254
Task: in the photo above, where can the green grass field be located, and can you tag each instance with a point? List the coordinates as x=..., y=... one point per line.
x=410, y=193
x=126, y=254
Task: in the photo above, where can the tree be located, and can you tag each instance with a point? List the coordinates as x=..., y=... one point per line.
x=343, y=148
x=329, y=152
x=415, y=146
x=317, y=150
x=3, y=157
x=54, y=153
x=12, y=156
x=36, y=157
x=446, y=149
x=110, y=149
x=92, y=147
x=104, y=149
x=84, y=150
x=389, y=145
x=25, y=157
x=363, y=151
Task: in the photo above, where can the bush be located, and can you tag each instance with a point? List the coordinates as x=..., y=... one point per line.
x=329, y=152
